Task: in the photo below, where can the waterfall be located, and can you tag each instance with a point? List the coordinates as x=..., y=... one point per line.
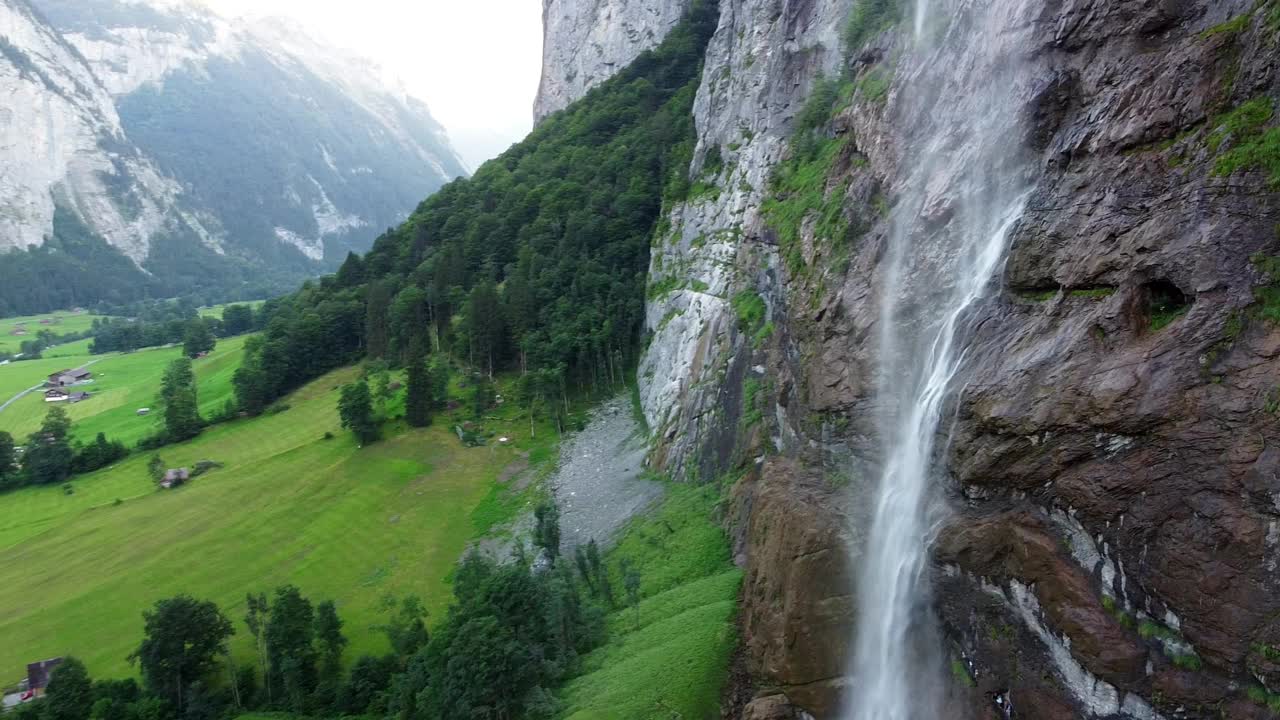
x=962, y=188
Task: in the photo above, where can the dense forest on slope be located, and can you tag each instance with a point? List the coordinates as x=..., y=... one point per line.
x=538, y=262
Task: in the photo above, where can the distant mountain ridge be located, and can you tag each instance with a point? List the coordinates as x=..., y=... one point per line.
x=155, y=148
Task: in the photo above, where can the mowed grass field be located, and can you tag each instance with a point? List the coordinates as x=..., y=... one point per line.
x=61, y=323
x=122, y=383
x=289, y=506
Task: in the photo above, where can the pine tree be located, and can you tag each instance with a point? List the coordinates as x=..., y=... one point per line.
x=631, y=583
x=49, y=456
x=181, y=408
x=438, y=372
x=8, y=459
x=351, y=273
x=482, y=394
x=377, y=322
x=330, y=643
x=289, y=632
x=255, y=618
x=547, y=529
x=418, y=400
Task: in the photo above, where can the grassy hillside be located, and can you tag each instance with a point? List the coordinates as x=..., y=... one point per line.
x=123, y=383
x=62, y=323
x=288, y=507
x=672, y=659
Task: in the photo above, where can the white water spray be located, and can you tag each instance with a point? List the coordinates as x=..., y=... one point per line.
x=964, y=189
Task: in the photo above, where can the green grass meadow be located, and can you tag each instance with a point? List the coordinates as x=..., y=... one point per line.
x=350, y=524
x=342, y=523
x=671, y=661
x=122, y=383
x=61, y=323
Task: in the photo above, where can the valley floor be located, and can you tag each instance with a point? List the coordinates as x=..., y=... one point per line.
x=289, y=506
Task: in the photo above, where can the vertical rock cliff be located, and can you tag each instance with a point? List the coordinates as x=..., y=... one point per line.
x=586, y=41
x=64, y=148
x=1109, y=463
x=215, y=155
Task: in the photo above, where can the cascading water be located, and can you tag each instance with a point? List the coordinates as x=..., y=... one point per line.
x=963, y=188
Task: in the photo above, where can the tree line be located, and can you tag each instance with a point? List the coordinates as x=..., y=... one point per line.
x=44, y=339
x=537, y=263
x=166, y=323
x=51, y=457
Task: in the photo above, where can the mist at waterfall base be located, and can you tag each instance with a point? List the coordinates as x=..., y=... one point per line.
x=962, y=188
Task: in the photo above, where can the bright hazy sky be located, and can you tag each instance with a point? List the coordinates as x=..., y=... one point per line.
x=476, y=63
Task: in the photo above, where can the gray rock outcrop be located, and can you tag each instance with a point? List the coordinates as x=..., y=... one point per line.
x=1111, y=467
x=586, y=41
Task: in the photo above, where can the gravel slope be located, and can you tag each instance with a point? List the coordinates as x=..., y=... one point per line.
x=598, y=485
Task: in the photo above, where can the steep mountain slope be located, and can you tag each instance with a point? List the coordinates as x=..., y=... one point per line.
x=1110, y=463
x=66, y=158
x=212, y=154
x=587, y=42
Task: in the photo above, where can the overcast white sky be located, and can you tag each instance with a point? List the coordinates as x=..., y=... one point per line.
x=476, y=63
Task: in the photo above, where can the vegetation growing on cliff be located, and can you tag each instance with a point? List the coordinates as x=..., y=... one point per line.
x=1268, y=296
x=867, y=19
x=751, y=312
x=1244, y=142
x=801, y=183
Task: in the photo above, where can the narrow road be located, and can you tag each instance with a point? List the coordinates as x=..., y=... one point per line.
x=32, y=389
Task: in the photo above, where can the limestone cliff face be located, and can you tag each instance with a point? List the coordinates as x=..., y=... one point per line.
x=157, y=123
x=62, y=144
x=1112, y=467
x=586, y=41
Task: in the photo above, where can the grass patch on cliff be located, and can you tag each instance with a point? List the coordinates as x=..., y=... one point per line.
x=1234, y=26
x=1244, y=142
x=874, y=84
x=752, y=405
x=868, y=19
x=1093, y=293
x=1259, y=695
x=1267, y=296
x=671, y=659
x=800, y=190
x=751, y=310
x=961, y=674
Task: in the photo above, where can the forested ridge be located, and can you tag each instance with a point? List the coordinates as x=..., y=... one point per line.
x=537, y=262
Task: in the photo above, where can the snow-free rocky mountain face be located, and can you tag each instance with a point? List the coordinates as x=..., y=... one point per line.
x=210, y=153
x=1113, y=476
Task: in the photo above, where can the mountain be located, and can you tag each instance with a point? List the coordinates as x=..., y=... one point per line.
x=586, y=42
x=1092, y=421
x=214, y=156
